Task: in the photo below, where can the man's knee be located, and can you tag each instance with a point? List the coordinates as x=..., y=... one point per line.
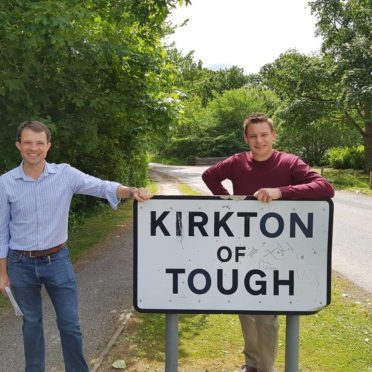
x=267, y=320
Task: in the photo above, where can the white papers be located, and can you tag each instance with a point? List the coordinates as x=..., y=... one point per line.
x=17, y=310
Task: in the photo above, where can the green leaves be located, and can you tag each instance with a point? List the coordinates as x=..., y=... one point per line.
x=346, y=29
x=96, y=72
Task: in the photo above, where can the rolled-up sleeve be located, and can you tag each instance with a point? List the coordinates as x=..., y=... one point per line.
x=4, y=222
x=88, y=185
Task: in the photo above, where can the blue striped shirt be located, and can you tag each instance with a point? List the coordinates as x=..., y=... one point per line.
x=34, y=213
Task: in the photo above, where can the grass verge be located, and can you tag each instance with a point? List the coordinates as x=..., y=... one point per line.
x=187, y=190
x=336, y=339
x=347, y=179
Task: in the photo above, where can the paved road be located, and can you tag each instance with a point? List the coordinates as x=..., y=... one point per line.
x=352, y=230
x=105, y=286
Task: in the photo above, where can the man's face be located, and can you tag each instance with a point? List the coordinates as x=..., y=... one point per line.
x=260, y=138
x=33, y=147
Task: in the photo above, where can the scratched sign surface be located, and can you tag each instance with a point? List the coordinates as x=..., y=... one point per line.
x=209, y=254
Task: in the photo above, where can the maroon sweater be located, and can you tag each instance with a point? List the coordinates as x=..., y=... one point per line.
x=288, y=172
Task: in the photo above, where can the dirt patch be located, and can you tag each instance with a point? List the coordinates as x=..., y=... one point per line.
x=166, y=184
x=351, y=291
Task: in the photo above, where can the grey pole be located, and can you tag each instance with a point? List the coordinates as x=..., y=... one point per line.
x=292, y=343
x=171, y=343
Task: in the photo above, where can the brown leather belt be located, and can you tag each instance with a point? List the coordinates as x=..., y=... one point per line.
x=43, y=253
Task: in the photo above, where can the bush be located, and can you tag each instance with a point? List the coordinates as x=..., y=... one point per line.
x=346, y=157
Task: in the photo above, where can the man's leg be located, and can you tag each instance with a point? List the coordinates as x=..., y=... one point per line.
x=26, y=288
x=260, y=334
x=60, y=283
x=267, y=341
x=248, y=324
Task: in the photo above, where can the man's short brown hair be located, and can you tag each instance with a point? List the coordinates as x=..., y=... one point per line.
x=255, y=118
x=36, y=126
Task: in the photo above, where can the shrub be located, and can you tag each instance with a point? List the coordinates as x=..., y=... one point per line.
x=346, y=157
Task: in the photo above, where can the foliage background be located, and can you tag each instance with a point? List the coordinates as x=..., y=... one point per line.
x=98, y=73
x=94, y=71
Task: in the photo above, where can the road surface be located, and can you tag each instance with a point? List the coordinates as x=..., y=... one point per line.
x=352, y=229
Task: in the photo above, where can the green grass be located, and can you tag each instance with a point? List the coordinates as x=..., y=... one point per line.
x=96, y=227
x=187, y=190
x=347, y=179
x=338, y=338
x=170, y=161
x=152, y=187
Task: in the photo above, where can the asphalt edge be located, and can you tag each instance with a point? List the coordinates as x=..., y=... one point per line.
x=97, y=362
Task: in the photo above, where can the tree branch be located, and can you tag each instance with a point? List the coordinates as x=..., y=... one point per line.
x=353, y=123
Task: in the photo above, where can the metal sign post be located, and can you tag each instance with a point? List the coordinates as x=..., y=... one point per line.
x=292, y=343
x=171, y=343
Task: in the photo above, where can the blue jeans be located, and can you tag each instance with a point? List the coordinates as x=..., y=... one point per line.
x=27, y=275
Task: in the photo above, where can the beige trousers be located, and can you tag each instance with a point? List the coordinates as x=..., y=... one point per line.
x=260, y=334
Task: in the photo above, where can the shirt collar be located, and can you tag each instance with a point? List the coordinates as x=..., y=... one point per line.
x=20, y=174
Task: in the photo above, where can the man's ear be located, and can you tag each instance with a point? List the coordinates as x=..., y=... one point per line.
x=18, y=145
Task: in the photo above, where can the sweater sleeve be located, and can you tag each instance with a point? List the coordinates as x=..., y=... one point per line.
x=217, y=173
x=306, y=183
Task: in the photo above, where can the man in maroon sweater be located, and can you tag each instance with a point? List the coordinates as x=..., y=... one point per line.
x=267, y=175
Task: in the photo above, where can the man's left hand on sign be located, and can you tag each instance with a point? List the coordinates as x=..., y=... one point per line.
x=267, y=194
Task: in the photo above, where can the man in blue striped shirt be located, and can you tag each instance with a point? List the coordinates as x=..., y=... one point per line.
x=35, y=199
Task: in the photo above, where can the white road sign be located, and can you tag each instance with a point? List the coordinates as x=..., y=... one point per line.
x=220, y=255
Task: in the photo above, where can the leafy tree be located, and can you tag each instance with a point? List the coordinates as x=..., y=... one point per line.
x=219, y=124
x=222, y=80
x=197, y=87
x=309, y=118
x=194, y=79
x=95, y=71
x=346, y=29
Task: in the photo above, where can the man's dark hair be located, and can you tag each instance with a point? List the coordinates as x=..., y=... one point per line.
x=255, y=118
x=36, y=126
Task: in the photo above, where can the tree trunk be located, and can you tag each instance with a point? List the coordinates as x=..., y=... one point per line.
x=368, y=136
x=368, y=148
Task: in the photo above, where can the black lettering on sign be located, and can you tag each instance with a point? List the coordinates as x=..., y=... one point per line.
x=280, y=227
x=207, y=277
x=288, y=282
x=295, y=220
x=228, y=255
x=178, y=223
x=234, y=284
x=246, y=216
x=158, y=222
x=261, y=283
x=175, y=273
x=218, y=223
x=199, y=224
